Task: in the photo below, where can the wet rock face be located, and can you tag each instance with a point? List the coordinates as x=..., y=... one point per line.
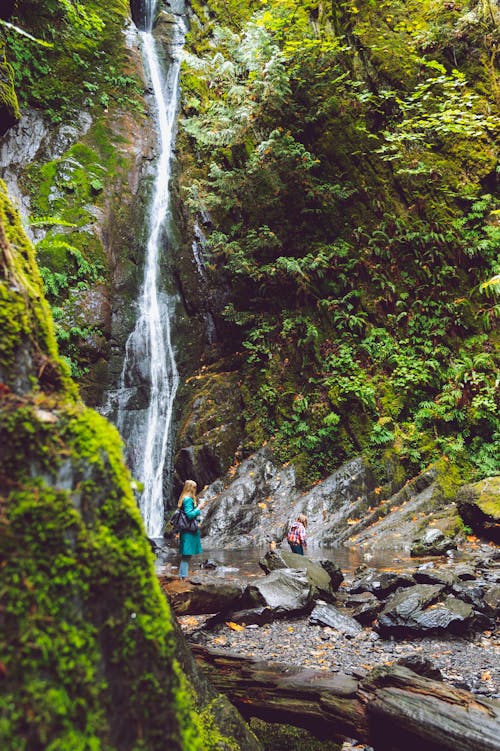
x=382, y=584
x=210, y=429
x=262, y=500
x=479, y=506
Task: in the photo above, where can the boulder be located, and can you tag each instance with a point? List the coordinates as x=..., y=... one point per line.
x=325, y=614
x=381, y=583
x=285, y=590
x=400, y=612
x=415, y=610
x=452, y=615
x=432, y=542
x=319, y=577
x=364, y=607
x=479, y=507
x=431, y=575
x=196, y=596
x=334, y=571
x=492, y=600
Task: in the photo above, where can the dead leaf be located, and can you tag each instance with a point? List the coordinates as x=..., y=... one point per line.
x=234, y=626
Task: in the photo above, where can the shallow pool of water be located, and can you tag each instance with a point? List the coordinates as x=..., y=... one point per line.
x=245, y=561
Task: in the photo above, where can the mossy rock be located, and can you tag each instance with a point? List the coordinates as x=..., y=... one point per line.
x=479, y=507
x=28, y=356
x=9, y=107
x=92, y=657
x=211, y=428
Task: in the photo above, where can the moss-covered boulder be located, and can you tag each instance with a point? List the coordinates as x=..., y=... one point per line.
x=92, y=656
x=479, y=506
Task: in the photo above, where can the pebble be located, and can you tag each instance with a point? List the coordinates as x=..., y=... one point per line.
x=472, y=663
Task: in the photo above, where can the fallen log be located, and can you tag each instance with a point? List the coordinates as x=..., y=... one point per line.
x=392, y=709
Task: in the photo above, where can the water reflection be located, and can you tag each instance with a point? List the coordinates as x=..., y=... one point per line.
x=245, y=561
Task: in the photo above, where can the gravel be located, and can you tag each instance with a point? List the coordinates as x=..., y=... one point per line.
x=469, y=663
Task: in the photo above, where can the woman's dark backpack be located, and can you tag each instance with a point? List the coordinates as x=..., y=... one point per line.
x=181, y=523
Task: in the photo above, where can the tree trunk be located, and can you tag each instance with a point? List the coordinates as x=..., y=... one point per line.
x=392, y=709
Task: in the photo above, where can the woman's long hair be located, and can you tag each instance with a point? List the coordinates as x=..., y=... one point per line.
x=189, y=490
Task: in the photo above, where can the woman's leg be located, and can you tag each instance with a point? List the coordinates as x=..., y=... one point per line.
x=184, y=566
x=296, y=548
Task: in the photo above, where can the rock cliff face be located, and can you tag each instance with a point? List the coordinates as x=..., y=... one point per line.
x=93, y=657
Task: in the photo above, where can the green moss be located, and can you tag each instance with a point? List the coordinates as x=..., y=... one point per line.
x=8, y=98
x=489, y=503
x=90, y=642
x=276, y=737
x=448, y=480
x=24, y=314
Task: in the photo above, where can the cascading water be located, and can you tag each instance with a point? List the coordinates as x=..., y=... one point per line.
x=144, y=401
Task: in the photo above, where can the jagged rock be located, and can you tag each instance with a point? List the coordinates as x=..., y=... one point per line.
x=435, y=576
x=492, y=600
x=364, y=607
x=325, y=614
x=416, y=610
x=334, y=572
x=433, y=542
x=471, y=592
x=452, y=614
x=252, y=616
x=319, y=579
x=403, y=607
x=381, y=584
x=464, y=572
x=283, y=590
x=479, y=506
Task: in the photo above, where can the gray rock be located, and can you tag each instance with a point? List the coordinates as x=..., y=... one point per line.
x=364, y=607
x=283, y=590
x=435, y=576
x=381, y=583
x=319, y=579
x=402, y=609
x=325, y=614
x=452, y=614
x=492, y=600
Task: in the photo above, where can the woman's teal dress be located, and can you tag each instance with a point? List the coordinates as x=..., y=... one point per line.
x=190, y=542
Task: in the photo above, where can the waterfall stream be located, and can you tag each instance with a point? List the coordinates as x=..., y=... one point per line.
x=144, y=401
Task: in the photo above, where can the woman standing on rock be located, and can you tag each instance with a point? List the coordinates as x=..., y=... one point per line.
x=297, y=535
x=189, y=542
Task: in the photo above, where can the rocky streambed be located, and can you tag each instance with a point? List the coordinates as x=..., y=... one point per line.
x=439, y=618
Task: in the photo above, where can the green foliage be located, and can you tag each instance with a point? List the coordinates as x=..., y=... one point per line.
x=436, y=117
x=79, y=59
x=351, y=195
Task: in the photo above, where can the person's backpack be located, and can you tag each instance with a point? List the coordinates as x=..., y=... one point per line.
x=181, y=523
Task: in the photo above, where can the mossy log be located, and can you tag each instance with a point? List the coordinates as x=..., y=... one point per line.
x=393, y=709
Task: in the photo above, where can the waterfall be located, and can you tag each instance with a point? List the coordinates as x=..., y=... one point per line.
x=143, y=403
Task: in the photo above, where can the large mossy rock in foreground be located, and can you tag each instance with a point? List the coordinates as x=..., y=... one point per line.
x=92, y=657
x=479, y=506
